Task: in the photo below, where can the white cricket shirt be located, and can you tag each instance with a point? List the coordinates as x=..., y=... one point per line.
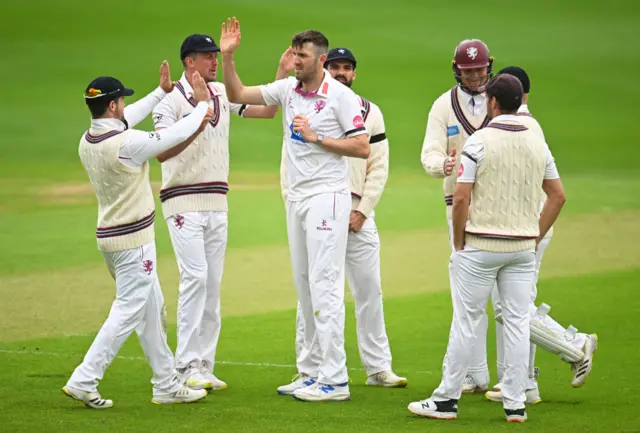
x=333, y=111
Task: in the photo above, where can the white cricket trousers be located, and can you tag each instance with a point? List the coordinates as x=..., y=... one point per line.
x=199, y=242
x=317, y=227
x=475, y=273
x=363, y=276
x=139, y=306
x=531, y=383
x=478, y=366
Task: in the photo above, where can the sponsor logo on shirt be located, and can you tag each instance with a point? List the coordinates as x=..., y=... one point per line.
x=296, y=136
x=358, y=122
x=453, y=130
x=461, y=169
x=323, y=227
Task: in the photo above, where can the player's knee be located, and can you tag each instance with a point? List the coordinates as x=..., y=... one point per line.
x=194, y=276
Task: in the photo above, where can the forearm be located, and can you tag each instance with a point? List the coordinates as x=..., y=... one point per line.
x=550, y=212
x=232, y=83
x=145, y=146
x=356, y=147
x=460, y=213
x=371, y=196
x=435, y=143
x=138, y=111
x=177, y=150
x=375, y=179
x=433, y=162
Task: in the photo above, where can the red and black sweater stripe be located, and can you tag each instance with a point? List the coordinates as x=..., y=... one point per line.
x=196, y=188
x=457, y=110
x=98, y=138
x=214, y=99
x=507, y=127
x=496, y=236
x=126, y=229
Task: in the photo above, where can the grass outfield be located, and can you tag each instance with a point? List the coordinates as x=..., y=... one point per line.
x=55, y=291
x=255, y=357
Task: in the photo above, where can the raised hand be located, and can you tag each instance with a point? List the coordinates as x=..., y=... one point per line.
x=230, y=35
x=200, y=89
x=287, y=61
x=165, y=77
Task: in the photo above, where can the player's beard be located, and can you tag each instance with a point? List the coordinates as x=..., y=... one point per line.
x=307, y=76
x=344, y=80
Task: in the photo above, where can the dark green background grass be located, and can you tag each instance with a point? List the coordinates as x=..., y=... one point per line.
x=582, y=59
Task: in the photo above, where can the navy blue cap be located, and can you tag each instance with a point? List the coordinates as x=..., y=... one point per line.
x=198, y=43
x=341, y=54
x=520, y=74
x=105, y=88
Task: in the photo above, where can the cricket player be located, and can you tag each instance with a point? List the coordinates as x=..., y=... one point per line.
x=454, y=116
x=322, y=124
x=573, y=347
x=503, y=171
x=367, y=179
x=115, y=158
x=194, y=203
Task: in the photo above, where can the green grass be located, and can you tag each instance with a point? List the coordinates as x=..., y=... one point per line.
x=55, y=291
x=417, y=342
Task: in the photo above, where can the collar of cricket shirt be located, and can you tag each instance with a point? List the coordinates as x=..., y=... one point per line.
x=323, y=90
x=108, y=123
x=188, y=90
x=476, y=104
x=505, y=117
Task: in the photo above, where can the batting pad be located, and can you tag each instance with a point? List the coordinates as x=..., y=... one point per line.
x=553, y=341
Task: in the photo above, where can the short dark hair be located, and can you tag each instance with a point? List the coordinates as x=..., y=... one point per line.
x=507, y=90
x=192, y=55
x=314, y=37
x=98, y=108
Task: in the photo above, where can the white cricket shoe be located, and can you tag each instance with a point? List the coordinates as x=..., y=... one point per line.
x=387, y=379
x=212, y=382
x=90, y=399
x=532, y=395
x=322, y=392
x=470, y=386
x=435, y=409
x=193, y=378
x=299, y=381
x=582, y=369
x=517, y=415
x=184, y=395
